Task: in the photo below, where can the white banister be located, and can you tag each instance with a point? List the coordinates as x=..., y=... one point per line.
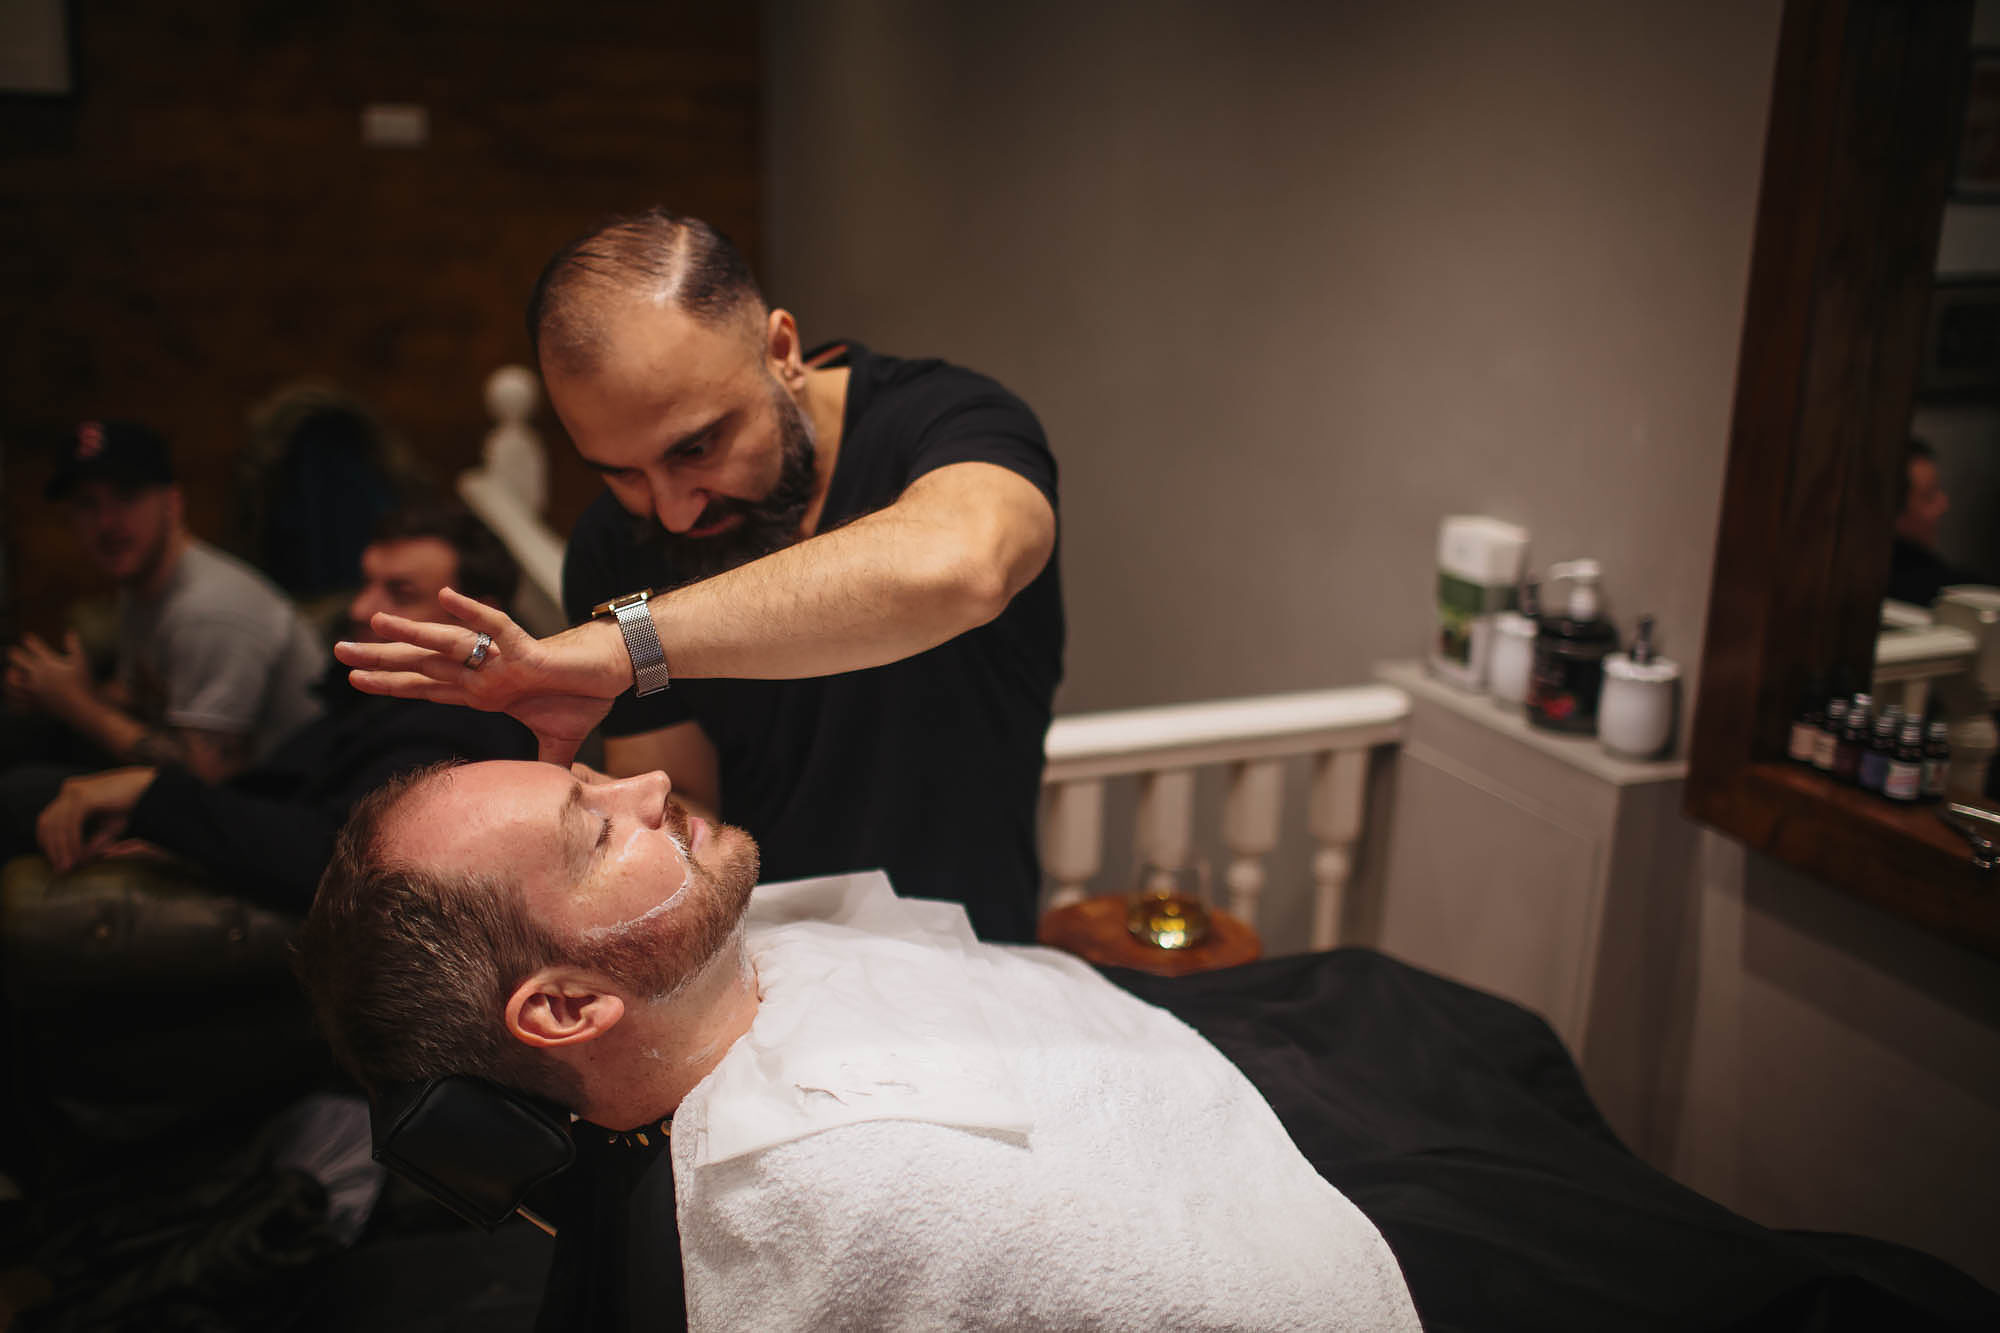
x=1339, y=792
x=1162, y=748
x=1250, y=830
x=1072, y=837
x=1163, y=832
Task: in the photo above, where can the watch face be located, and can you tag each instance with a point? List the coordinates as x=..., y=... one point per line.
x=617, y=604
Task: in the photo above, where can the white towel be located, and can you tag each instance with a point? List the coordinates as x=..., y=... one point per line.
x=924, y=1132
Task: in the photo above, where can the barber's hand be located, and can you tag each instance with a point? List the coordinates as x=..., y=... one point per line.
x=52, y=681
x=559, y=687
x=88, y=815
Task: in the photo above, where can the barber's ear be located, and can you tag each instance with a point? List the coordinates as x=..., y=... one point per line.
x=782, y=348
x=560, y=1007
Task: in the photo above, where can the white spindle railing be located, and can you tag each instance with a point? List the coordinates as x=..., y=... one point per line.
x=1162, y=748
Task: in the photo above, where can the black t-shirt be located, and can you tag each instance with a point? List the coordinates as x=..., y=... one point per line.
x=929, y=768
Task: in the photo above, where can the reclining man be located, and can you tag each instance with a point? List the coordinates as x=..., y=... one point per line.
x=870, y=1119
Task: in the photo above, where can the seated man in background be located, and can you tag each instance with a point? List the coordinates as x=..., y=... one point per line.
x=870, y=1119
x=214, y=664
x=157, y=882
x=265, y=835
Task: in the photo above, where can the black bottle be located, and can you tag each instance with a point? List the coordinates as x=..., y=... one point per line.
x=1905, y=779
x=1827, y=743
x=1807, y=724
x=1570, y=650
x=1854, y=737
x=1874, y=767
x=1937, y=758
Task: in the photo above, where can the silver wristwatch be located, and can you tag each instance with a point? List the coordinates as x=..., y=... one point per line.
x=642, y=641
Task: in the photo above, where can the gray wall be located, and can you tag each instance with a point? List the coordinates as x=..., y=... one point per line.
x=1288, y=283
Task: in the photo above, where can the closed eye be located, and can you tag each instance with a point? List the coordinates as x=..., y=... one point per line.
x=603, y=836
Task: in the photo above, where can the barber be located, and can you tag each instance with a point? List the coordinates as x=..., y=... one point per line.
x=820, y=589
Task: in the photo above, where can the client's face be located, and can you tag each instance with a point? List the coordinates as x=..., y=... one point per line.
x=644, y=892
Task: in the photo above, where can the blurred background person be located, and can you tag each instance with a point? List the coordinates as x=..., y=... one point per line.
x=214, y=664
x=1917, y=571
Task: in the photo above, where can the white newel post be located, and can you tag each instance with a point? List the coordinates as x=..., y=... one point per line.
x=514, y=454
x=1072, y=838
x=1250, y=831
x=1165, y=826
x=1334, y=819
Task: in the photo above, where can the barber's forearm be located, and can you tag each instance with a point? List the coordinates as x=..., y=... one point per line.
x=836, y=603
x=945, y=559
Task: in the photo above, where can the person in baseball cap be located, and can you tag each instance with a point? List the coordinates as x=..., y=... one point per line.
x=214, y=663
x=125, y=454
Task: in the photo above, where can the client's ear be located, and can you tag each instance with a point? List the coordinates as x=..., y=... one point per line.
x=561, y=1007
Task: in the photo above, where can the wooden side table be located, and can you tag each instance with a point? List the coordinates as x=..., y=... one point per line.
x=1094, y=930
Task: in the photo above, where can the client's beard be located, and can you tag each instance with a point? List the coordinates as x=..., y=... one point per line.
x=768, y=525
x=660, y=955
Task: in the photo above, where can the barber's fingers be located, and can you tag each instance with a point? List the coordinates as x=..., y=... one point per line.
x=558, y=750
x=407, y=685
x=485, y=619
x=401, y=657
x=451, y=640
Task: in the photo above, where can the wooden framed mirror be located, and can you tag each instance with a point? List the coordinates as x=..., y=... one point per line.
x=1858, y=162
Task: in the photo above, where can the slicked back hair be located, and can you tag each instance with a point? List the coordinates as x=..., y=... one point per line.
x=410, y=969
x=655, y=255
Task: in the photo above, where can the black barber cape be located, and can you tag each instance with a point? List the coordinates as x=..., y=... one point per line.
x=1455, y=1121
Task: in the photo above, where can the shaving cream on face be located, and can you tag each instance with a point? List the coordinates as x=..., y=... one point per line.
x=658, y=909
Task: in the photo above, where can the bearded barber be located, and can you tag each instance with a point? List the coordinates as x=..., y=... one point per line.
x=820, y=589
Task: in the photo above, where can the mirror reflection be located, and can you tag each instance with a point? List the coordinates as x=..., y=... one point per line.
x=1923, y=727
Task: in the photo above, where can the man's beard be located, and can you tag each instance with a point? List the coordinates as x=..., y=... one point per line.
x=767, y=525
x=662, y=953
x=152, y=550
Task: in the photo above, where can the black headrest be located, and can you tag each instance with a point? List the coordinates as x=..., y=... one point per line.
x=474, y=1146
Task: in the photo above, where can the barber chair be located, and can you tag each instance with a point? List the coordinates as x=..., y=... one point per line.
x=477, y=1148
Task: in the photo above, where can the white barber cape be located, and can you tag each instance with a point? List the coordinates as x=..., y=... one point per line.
x=923, y=1131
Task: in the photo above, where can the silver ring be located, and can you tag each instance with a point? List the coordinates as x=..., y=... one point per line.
x=477, y=657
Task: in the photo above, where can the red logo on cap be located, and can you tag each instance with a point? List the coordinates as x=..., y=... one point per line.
x=89, y=439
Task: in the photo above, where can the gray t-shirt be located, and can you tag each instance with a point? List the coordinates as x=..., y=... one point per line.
x=221, y=649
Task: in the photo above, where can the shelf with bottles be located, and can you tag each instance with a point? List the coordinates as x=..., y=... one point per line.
x=1880, y=750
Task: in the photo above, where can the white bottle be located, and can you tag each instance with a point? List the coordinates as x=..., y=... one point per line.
x=1635, y=713
x=1479, y=568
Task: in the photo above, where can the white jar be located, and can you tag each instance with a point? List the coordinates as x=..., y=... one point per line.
x=1635, y=714
x=1479, y=569
x=1513, y=658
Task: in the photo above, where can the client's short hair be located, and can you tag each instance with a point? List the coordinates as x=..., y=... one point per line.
x=486, y=569
x=409, y=969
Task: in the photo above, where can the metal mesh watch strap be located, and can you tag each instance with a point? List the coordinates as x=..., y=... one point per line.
x=642, y=643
